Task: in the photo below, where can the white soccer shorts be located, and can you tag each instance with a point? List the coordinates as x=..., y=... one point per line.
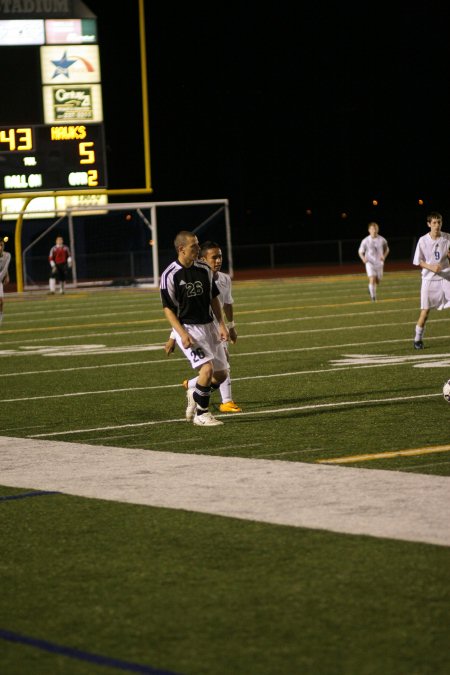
x=435, y=294
x=374, y=270
x=207, y=346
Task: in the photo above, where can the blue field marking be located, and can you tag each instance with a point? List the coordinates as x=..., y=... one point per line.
x=23, y=495
x=82, y=656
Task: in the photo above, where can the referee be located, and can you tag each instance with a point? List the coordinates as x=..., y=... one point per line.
x=190, y=301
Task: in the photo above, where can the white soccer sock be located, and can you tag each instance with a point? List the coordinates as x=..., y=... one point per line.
x=225, y=390
x=419, y=333
x=193, y=382
x=373, y=290
x=52, y=284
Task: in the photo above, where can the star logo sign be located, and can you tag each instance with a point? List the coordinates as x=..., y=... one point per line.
x=62, y=65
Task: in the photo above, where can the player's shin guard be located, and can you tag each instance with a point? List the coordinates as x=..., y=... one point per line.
x=419, y=333
x=201, y=397
x=225, y=390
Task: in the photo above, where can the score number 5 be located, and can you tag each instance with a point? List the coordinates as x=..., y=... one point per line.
x=86, y=152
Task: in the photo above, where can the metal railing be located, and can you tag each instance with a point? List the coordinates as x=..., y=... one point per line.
x=297, y=254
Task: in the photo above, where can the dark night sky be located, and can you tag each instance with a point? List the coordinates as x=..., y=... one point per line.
x=283, y=107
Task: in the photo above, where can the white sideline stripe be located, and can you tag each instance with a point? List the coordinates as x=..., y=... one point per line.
x=375, y=503
x=235, y=416
x=239, y=313
x=76, y=312
x=318, y=371
x=173, y=359
x=241, y=323
x=112, y=333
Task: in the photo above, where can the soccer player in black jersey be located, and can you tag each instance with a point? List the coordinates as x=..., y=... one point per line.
x=190, y=301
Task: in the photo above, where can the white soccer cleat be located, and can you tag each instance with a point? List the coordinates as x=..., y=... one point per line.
x=206, y=420
x=191, y=405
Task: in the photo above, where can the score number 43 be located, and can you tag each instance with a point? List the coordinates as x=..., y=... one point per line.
x=17, y=139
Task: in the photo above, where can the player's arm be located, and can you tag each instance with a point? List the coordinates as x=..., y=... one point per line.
x=4, y=276
x=217, y=309
x=385, y=251
x=169, y=347
x=51, y=261
x=435, y=267
x=361, y=253
x=172, y=318
x=228, y=311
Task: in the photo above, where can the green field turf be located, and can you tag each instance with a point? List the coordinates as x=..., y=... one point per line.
x=322, y=375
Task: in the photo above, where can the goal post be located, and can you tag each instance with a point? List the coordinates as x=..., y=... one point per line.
x=123, y=243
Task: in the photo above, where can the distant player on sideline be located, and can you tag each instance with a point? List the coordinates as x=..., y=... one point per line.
x=373, y=251
x=211, y=254
x=432, y=255
x=60, y=260
x=5, y=259
x=189, y=297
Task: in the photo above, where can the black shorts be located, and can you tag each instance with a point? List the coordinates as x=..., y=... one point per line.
x=60, y=272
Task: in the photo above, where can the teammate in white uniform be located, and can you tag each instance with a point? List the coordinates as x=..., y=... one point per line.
x=373, y=251
x=5, y=259
x=211, y=254
x=432, y=255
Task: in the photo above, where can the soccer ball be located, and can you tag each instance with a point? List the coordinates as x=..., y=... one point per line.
x=446, y=391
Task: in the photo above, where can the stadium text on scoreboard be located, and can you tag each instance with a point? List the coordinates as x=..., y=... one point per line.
x=51, y=157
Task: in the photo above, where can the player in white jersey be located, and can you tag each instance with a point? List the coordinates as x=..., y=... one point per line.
x=373, y=251
x=211, y=254
x=5, y=259
x=432, y=255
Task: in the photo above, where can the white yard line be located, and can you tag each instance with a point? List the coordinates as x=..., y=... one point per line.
x=385, y=504
x=102, y=392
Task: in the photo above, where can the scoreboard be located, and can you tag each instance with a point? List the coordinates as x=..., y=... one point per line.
x=51, y=115
x=52, y=157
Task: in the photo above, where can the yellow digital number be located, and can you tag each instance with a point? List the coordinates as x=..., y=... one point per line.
x=17, y=139
x=92, y=177
x=86, y=153
x=8, y=136
x=25, y=140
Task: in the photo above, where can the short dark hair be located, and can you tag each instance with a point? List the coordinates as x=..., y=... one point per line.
x=434, y=215
x=207, y=246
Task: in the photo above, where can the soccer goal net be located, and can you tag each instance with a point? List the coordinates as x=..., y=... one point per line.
x=122, y=244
